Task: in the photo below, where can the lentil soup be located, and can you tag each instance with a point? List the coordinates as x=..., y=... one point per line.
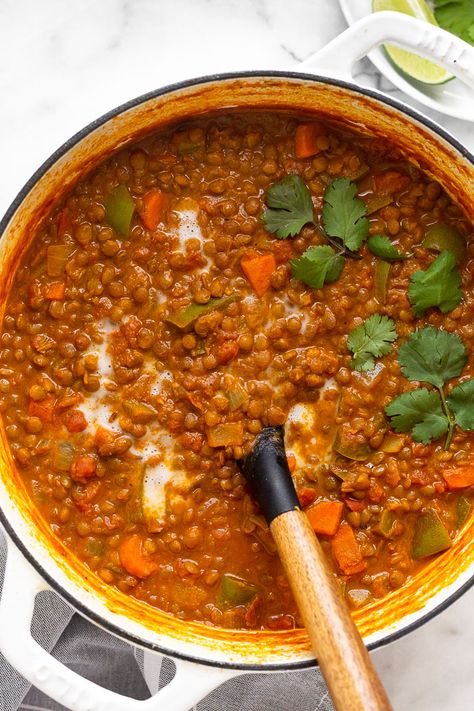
x=173, y=304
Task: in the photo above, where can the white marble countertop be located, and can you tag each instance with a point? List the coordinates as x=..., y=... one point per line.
x=63, y=64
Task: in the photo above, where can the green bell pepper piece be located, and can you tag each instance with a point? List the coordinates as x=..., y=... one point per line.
x=350, y=449
x=382, y=271
x=235, y=591
x=186, y=317
x=430, y=535
x=119, y=209
x=463, y=509
x=377, y=202
x=386, y=523
x=442, y=237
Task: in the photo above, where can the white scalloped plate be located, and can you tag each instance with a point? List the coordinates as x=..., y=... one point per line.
x=452, y=98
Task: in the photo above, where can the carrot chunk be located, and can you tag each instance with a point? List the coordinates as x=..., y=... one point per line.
x=306, y=495
x=153, y=204
x=390, y=181
x=354, y=505
x=75, y=421
x=227, y=352
x=54, y=291
x=346, y=551
x=258, y=271
x=280, y=622
x=84, y=499
x=103, y=436
x=134, y=558
x=459, y=477
x=291, y=459
x=376, y=492
x=83, y=467
x=325, y=517
x=196, y=401
x=305, y=139
x=44, y=409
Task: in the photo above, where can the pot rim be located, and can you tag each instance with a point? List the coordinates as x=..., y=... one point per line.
x=4, y=222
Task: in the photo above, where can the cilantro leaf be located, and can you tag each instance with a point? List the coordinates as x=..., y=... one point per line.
x=437, y=286
x=370, y=340
x=433, y=356
x=381, y=246
x=344, y=215
x=317, y=266
x=461, y=402
x=419, y=411
x=456, y=16
x=290, y=207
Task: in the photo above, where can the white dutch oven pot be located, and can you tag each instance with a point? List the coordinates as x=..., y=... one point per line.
x=205, y=656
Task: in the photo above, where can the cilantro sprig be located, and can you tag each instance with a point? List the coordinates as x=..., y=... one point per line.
x=456, y=16
x=344, y=214
x=290, y=207
x=318, y=266
x=372, y=339
x=439, y=286
x=433, y=356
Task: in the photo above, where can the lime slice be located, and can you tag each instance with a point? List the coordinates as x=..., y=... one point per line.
x=412, y=64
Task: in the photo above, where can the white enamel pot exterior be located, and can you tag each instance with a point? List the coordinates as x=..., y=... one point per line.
x=205, y=656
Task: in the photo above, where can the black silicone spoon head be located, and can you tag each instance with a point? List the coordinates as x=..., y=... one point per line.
x=267, y=473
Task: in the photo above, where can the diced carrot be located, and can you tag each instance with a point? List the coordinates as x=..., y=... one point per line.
x=306, y=495
x=103, y=436
x=390, y=181
x=87, y=496
x=376, y=492
x=134, y=558
x=227, y=352
x=43, y=409
x=83, y=467
x=346, y=551
x=195, y=401
x=225, y=435
x=74, y=421
x=291, y=459
x=64, y=222
x=325, y=517
x=258, y=271
x=459, y=477
x=280, y=622
x=153, y=204
x=54, y=291
x=354, y=505
x=305, y=139
x=253, y=612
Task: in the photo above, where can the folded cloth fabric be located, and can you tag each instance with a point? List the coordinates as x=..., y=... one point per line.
x=106, y=660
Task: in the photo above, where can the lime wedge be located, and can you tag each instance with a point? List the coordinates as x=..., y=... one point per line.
x=412, y=64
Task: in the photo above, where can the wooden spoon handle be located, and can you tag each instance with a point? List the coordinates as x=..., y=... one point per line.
x=345, y=663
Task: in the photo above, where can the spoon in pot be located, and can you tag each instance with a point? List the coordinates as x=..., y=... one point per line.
x=345, y=663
